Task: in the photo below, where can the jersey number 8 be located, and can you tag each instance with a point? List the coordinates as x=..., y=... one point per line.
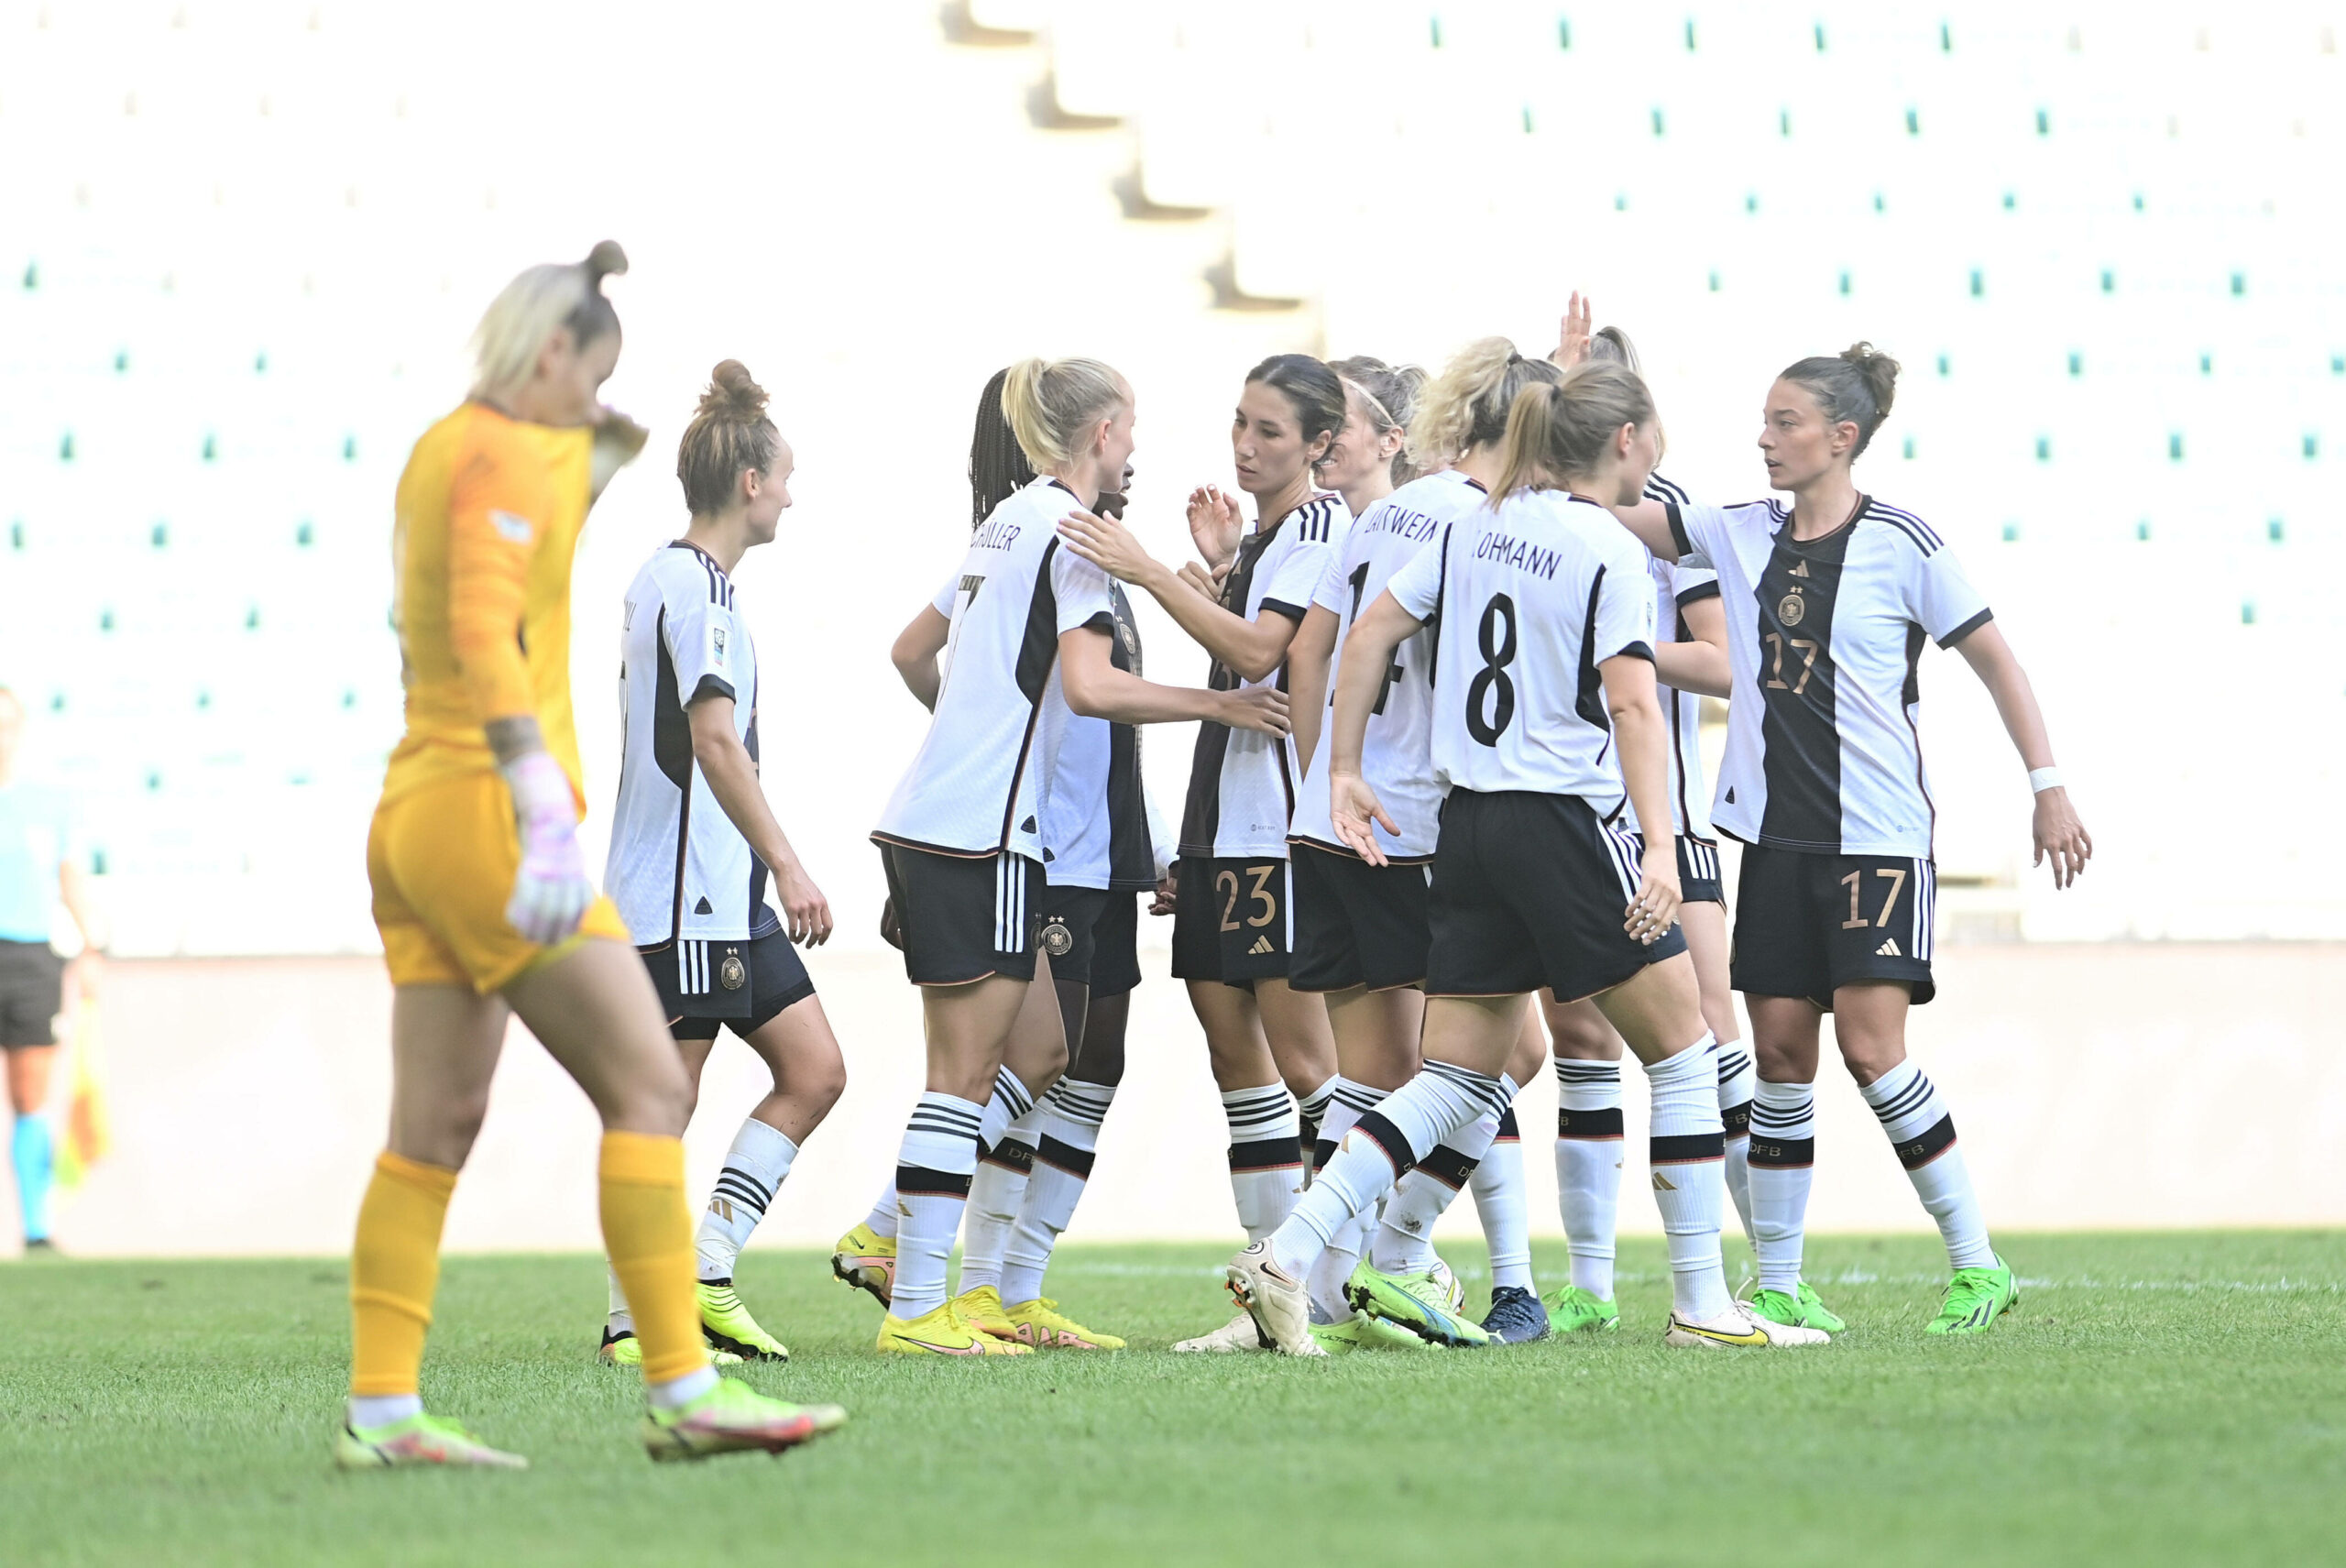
x=1491, y=681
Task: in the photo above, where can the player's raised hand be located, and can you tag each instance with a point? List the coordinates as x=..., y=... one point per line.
x=807, y=912
x=1215, y=524
x=1571, y=338
x=1260, y=709
x=1356, y=812
x=551, y=889
x=1107, y=545
x=1655, y=909
x=2059, y=834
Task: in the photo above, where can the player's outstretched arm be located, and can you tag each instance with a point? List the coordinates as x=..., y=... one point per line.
x=1308, y=658
x=1253, y=648
x=1643, y=741
x=914, y=654
x=1649, y=520
x=1700, y=665
x=2056, y=830
x=1096, y=689
x=732, y=775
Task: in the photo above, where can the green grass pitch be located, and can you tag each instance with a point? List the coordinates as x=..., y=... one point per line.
x=2163, y=1398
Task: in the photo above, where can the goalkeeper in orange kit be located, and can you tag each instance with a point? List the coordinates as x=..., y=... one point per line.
x=482, y=896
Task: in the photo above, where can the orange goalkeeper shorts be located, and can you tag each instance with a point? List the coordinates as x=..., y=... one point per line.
x=441, y=859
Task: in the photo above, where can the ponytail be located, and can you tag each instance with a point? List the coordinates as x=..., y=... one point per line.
x=1052, y=404
x=539, y=302
x=1560, y=430
x=1468, y=404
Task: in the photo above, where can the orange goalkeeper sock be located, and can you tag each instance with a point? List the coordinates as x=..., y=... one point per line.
x=648, y=1231
x=394, y=1268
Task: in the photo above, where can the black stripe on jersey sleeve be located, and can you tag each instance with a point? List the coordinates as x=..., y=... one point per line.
x=1678, y=528
x=1697, y=593
x=712, y=685
x=1280, y=607
x=1927, y=536
x=1102, y=622
x=1633, y=650
x=1967, y=629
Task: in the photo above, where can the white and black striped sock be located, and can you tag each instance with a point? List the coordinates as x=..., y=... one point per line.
x=1784, y=1165
x=1066, y=1138
x=1385, y=1145
x=1005, y=1156
x=1739, y=1081
x=1311, y=1112
x=754, y=1168
x=1503, y=1207
x=1588, y=1168
x=933, y=1169
x=1923, y=1134
x=1687, y=1153
x=1266, y=1160
x=1346, y=1104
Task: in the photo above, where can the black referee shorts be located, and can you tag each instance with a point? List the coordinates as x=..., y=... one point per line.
x=1805, y=924
x=1356, y=923
x=1532, y=889
x=32, y=994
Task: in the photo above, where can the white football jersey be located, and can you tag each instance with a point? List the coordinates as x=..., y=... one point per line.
x=977, y=785
x=1823, y=754
x=1683, y=582
x=1397, y=754
x=1095, y=821
x=1242, y=783
x=679, y=870
x=1532, y=596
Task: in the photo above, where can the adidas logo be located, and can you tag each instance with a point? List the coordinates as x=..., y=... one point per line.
x=1261, y=945
x=1889, y=949
x=1664, y=1184
x=1801, y=570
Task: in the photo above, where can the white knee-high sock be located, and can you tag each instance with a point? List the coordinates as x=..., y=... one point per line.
x=1923, y=1133
x=1414, y=1121
x=1500, y=1202
x=1310, y=1113
x=1739, y=1081
x=933, y=1170
x=1404, y=1240
x=1336, y=1265
x=1687, y=1153
x=1066, y=1138
x=1005, y=1155
x=620, y=1320
x=885, y=1212
x=1266, y=1160
x=1588, y=1168
x=754, y=1168
x=1783, y=1163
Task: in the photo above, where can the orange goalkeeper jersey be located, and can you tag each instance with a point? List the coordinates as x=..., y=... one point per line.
x=489, y=517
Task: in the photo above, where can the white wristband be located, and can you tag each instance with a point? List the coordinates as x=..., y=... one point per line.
x=2042, y=779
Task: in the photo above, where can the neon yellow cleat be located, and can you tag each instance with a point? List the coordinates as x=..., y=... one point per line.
x=622, y=1349
x=981, y=1310
x=941, y=1332
x=866, y=1260
x=421, y=1438
x=733, y=1418
x=1361, y=1332
x=727, y=1325
x=1038, y=1323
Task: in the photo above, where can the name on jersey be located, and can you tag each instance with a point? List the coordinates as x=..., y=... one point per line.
x=996, y=536
x=1405, y=524
x=1521, y=555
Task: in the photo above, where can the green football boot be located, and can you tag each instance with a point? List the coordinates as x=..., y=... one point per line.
x=1573, y=1311
x=1803, y=1309
x=1418, y=1302
x=726, y=1324
x=1975, y=1299
x=421, y=1440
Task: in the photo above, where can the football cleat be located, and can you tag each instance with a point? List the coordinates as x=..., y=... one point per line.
x=420, y=1439
x=981, y=1310
x=1800, y=1309
x=941, y=1332
x=622, y=1349
x=734, y=1418
x=727, y=1325
x=1736, y=1328
x=1274, y=1297
x=867, y=1260
x=1039, y=1324
x=1574, y=1311
x=1361, y=1332
x=1975, y=1299
x=1238, y=1334
x=1421, y=1303
x=1516, y=1316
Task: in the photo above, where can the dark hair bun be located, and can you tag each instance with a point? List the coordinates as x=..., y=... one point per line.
x=605, y=260
x=1880, y=373
x=732, y=394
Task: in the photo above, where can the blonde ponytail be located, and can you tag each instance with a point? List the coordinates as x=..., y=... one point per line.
x=1556, y=431
x=1051, y=405
x=539, y=302
x=1468, y=404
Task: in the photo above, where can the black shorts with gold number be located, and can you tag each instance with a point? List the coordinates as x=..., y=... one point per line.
x=741, y=986
x=1231, y=920
x=1805, y=924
